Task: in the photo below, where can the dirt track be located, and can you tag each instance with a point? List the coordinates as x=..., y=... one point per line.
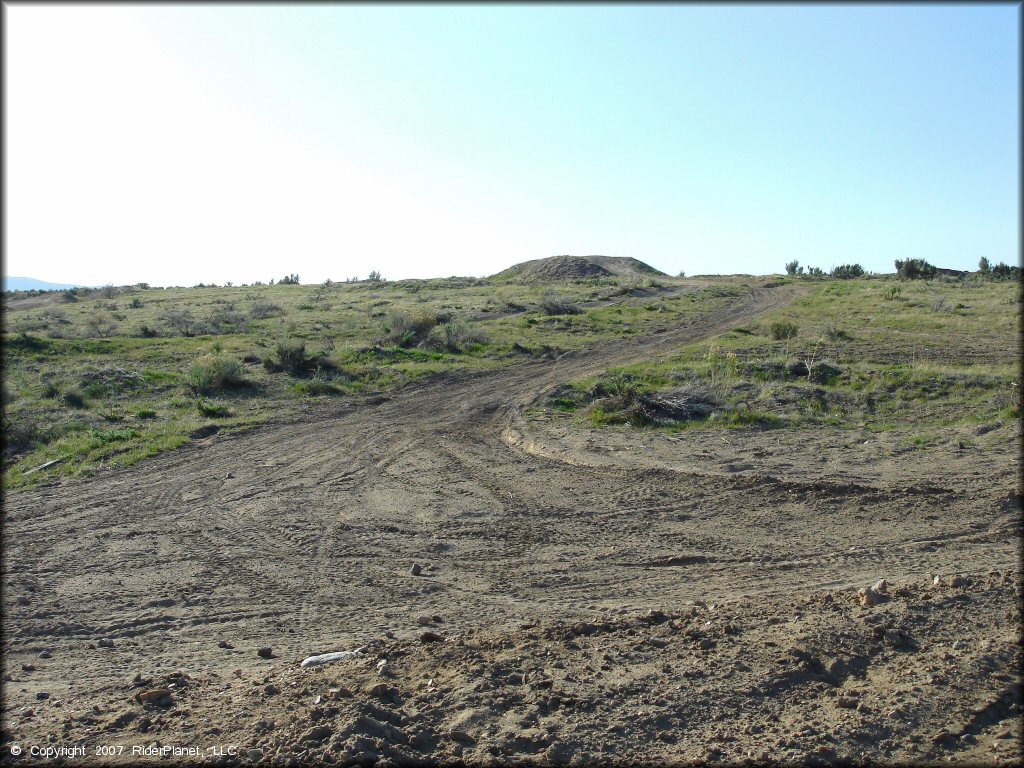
x=301, y=535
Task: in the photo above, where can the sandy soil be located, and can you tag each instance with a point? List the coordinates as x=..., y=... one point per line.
x=621, y=596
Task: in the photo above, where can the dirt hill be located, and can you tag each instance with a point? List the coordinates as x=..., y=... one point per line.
x=576, y=267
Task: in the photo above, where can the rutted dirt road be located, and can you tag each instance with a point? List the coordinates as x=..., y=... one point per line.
x=300, y=536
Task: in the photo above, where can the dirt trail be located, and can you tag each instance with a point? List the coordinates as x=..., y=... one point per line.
x=301, y=535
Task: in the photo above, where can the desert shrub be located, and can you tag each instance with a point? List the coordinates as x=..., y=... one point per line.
x=892, y=293
x=212, y=372
x=101, y=324
x=815, y=271
x=914, y=269
x=552, y=304
x=135, y=303
x=847, y=271
x=794, y=268
x=108, y=291
x=783, y=329
x=289, y=280
x=317, y=386
x=148, y=333
x=145, y=413
x=405, y=330
x=834, y=333
x=374, y=277
x=74, y=398
x=623, y=400
x=20, y=432
x=226, y=319
x=110, y=381
x=69, y=296
x=181, y=321
x=457, y=334
x=290, y=356
x=212, y=410
x=261, y=309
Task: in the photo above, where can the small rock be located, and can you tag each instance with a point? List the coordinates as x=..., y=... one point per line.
x=105, y=642
x=254, y=754
x=42, y=695
x=430, y=637
x=437, y=619
x=558, y=754
x=161, y=696
x=22, y=600
x=379, y=690
x=318, y=734
x=271, y=689
x=869, y=596
x=225, y=644
x=462, y=736
x=26, y=712
x=416, y=569
x=265, y=653
x=881, y=586
x=45, y=654
x=28, y=667
x=846, y=702
x=424, y=620
x=895, y=638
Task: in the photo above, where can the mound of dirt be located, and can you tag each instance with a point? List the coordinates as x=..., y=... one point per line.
x=624, y=265
x=576, y=267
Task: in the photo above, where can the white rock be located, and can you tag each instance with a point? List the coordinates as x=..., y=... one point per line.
x=327, y=658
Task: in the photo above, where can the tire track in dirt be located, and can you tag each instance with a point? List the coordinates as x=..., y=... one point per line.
x=300, y=535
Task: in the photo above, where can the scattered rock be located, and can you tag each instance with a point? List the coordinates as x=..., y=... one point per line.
x=254, y=754
x=895, y=638
x=416, y=569
x=22, y=600
x=271, y=689
x=105, y=642
x=558, y=753
x=430, y=637
x=160, y=696
x=869, y=596
x=424, y=620
x=462, y=736
x=45, y=654
x=881, y=586
x=265, y=653
x=225, y=644
x=318, y=734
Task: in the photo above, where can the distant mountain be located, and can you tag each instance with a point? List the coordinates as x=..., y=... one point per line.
x=12, y=283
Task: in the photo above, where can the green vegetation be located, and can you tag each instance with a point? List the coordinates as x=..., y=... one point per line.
x=160, y=365
x=926, y=354
x=103, y=377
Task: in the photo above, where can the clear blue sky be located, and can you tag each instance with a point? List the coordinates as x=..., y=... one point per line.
x=178, y=144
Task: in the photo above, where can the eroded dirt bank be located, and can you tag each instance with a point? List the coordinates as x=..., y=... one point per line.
x=541, y=554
